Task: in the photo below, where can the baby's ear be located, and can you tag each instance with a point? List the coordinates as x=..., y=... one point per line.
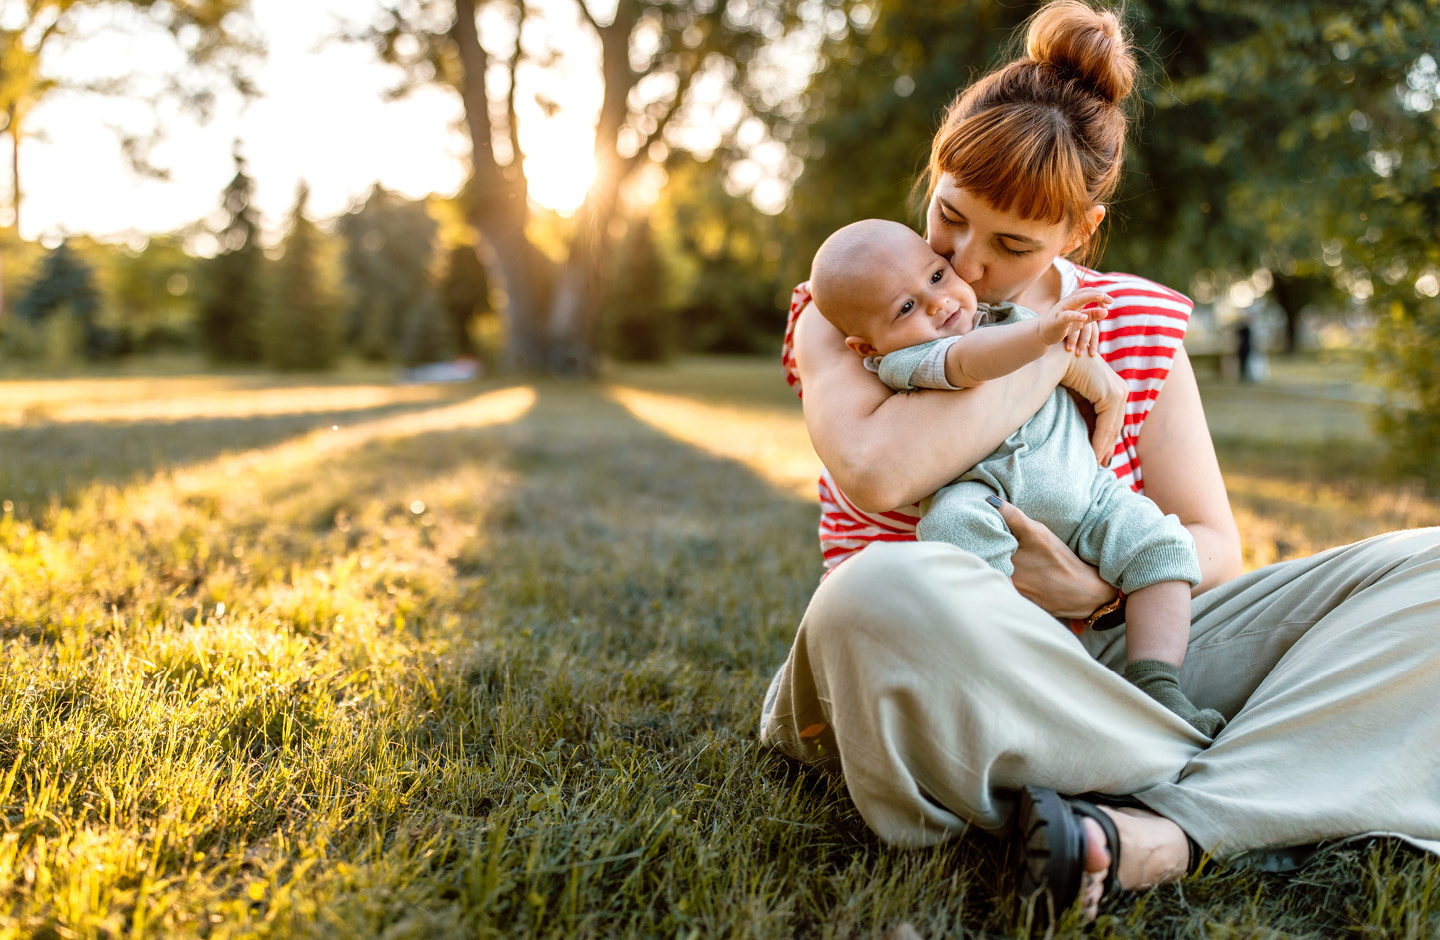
x=860, y=346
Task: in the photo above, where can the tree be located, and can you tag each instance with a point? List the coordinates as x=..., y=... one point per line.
x=231, y=285
x=640, y=326
x=651, y=54
x=214, y=36
x=865, y=122
x=302, y=313
x=152, y=293
x=1340, y=174
x=65, y=287
x=729, y=290
x=464, y=295
x=389, y=253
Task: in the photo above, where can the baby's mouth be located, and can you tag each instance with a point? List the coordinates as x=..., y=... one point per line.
x=951, y=320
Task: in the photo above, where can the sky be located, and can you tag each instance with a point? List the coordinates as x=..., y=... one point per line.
x=322, y=117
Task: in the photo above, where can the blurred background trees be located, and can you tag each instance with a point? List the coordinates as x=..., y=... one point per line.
x=300, y=315
x=651, y=54
x=231, y=286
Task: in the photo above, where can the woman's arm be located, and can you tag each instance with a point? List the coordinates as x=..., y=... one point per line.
x=887, y=450
x=1182, y=474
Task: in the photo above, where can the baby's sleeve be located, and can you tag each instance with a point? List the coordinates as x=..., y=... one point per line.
x=921, y=366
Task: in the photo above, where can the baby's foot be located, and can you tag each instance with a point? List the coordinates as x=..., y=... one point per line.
x=1161, y=681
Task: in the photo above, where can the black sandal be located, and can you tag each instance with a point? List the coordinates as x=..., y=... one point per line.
x=1052, y=837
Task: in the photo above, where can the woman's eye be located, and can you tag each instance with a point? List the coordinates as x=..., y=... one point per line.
x=938, y=276
x=906, y=307
x=1015, y=251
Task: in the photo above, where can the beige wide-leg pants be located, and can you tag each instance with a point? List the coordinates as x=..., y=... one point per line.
x=921, y=675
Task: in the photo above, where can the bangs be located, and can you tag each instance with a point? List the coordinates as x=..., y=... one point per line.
x=1017, y=161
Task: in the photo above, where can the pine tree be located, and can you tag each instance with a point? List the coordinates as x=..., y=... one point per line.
x=231, y=283
x=65, y=285
x=639, y=326
x=390, y=244
x=425, y=336
x=302, y=313
x=465, y=294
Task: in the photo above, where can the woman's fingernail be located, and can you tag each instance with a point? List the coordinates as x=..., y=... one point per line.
x=994, y=501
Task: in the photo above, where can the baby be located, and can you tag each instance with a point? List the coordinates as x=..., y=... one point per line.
x=914, y=320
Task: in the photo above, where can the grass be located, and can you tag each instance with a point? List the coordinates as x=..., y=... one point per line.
x=344, y=659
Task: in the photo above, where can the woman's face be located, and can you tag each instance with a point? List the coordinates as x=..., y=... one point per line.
x=1000, y=254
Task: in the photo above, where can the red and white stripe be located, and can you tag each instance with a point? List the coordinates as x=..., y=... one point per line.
x=1140, y=337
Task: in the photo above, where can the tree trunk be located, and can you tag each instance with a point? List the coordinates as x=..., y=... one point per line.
x=1292, y=295
x=14, y=127
x=580, y=290
x=525, y=275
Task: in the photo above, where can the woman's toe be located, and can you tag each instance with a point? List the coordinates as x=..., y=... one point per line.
x=1097, y=866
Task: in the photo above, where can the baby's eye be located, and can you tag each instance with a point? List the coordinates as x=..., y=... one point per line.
x=937, y=276
x=906, y=307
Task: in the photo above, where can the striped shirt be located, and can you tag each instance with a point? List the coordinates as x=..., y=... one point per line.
x=1139, y=339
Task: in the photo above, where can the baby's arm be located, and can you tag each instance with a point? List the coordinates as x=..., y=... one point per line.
x=981, y=355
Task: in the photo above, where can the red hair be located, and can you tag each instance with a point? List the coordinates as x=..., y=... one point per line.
x=1044, y=136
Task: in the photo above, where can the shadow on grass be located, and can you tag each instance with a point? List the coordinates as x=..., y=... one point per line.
x=44, y=463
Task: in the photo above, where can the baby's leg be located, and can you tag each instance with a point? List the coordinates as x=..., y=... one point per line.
x=1157, y=629
x=1157, y=623
x=959, y=515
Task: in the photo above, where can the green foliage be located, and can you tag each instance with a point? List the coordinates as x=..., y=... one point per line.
x=865, y=123
x=729, y=295
x=389, y=254
x=154, y=295
x=1340, y=174
x=301, y=327
x=465, y=296
x=231, y=285
x=426, y=334
x=639, y=325
x=63, y=299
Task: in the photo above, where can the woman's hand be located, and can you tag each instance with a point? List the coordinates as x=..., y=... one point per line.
x=1048, y=573
x=1093, y=380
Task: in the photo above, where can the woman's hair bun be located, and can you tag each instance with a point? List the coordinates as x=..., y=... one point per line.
x=1074, y=37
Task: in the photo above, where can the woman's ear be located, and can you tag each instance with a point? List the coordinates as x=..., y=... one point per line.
x=1086, y=230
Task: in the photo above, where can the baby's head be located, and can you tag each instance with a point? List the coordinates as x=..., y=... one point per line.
x=882, y=286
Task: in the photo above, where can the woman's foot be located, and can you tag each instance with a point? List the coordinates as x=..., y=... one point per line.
x=1155, y=851
x=1075, y=852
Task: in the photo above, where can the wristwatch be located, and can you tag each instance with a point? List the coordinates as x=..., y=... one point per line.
x=1106, y=616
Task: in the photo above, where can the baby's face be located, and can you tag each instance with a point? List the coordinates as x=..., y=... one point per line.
x=914, y=297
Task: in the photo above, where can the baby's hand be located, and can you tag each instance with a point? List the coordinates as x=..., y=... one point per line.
x=1073, y=318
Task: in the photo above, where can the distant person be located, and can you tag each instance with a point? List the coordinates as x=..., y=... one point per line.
x=948, y=695
x=1244, y=350
x=905, y=310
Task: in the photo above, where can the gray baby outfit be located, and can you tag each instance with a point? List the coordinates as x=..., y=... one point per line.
x=1046, y=468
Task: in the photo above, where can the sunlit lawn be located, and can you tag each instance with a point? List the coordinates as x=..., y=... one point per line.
x=342, y=658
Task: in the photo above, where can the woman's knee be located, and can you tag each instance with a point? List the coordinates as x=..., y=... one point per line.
x=900, y=594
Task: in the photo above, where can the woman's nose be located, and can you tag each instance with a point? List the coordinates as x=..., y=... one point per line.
x=967, y=266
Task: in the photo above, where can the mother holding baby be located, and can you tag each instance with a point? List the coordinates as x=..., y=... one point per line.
x=949, y=695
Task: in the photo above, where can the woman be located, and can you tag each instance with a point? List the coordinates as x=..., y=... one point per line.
x=947, y=697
